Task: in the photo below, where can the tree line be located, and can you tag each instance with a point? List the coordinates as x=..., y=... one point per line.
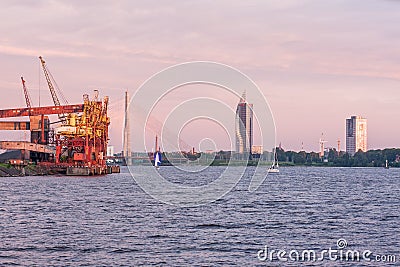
x=371, y=158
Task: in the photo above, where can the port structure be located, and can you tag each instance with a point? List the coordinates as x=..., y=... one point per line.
x=79, y=144
x=38, y=124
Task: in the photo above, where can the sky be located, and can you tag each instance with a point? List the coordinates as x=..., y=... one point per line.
x=316, y=62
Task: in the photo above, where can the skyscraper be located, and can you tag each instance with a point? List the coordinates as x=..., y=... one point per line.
x=244, y=126
x=356, y=134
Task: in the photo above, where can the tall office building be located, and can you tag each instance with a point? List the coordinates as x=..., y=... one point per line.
x=244, y=126
x=356, y=134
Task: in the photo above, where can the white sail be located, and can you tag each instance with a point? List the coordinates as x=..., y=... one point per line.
x=275, y=165
x=157, y=159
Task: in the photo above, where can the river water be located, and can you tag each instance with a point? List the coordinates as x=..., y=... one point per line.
x=110, y=221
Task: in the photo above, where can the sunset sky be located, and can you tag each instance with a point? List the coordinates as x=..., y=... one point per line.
x=317, y=62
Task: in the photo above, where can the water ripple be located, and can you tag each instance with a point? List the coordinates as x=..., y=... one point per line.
x=109, y=221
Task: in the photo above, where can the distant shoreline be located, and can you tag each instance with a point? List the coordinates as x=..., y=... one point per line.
x=222, y=163
x=289, y=164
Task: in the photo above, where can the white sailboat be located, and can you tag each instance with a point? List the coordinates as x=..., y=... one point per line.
x=157, y=155
x=275, y=165
x=157, y=159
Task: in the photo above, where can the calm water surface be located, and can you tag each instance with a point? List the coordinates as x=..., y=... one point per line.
x=110, y=221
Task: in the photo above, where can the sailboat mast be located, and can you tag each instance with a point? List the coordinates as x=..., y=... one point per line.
x=156, y=145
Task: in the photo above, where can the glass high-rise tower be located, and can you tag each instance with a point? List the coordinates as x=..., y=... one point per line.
x=244, y=126
x=356, y=134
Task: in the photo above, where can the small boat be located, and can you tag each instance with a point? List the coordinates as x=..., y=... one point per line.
x=157, y=155
x=275, y=165
x=273, y=169
x=157, y=159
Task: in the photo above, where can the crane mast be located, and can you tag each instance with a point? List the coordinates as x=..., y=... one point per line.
x=27, y=97
x=56, y=101
x=49, y=83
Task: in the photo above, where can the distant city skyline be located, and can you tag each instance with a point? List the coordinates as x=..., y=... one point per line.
x=316, y=62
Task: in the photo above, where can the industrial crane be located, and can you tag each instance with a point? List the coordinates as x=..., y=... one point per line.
x=49, y=79
x=27, y=97
x=16, y=125
x=34, y=121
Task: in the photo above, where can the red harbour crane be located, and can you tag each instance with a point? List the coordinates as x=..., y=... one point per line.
x=50, y=80
x=27, y=97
